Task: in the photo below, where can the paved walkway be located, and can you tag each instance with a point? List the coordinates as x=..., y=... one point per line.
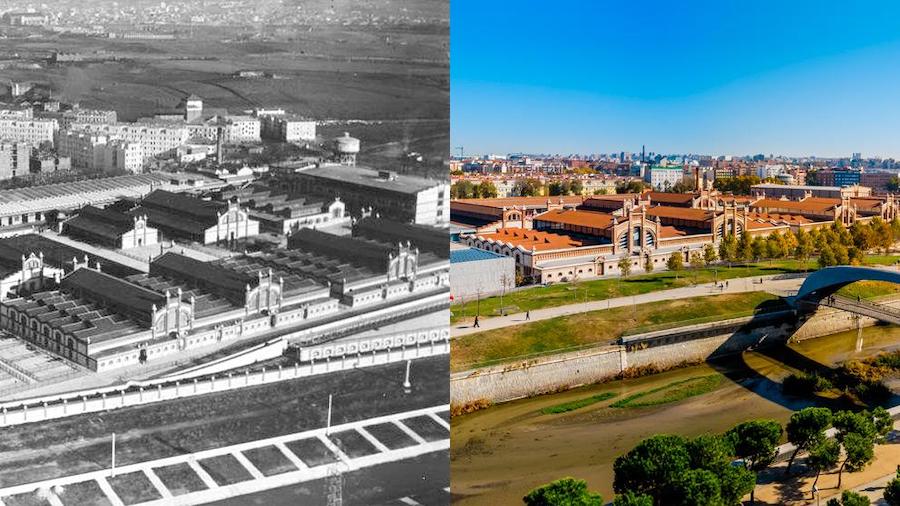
x=737, y=285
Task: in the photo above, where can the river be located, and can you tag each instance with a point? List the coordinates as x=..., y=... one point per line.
x=499, y=454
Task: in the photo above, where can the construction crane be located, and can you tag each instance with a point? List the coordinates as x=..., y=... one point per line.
x=460, y=149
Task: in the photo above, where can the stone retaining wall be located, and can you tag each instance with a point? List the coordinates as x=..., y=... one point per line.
x=562, y=371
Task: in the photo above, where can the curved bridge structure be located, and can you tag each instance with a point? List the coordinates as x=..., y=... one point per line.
x=824, y=282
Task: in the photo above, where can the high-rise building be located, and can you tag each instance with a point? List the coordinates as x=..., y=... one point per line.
x=15, y=159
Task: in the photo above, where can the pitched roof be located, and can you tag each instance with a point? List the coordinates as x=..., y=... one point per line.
x=818, y=205
x=592, y=219
x=534, y=239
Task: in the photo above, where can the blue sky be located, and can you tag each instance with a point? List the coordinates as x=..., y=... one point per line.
x=726, y=77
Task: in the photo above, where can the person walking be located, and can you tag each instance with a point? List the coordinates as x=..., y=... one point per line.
x=527, y=315
x=476, y=323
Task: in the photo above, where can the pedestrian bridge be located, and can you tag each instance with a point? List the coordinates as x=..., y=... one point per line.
x=820, y=287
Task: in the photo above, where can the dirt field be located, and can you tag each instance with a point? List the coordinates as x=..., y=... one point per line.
x=333, y=73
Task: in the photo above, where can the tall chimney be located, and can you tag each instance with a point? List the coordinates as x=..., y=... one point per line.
x=220, y=141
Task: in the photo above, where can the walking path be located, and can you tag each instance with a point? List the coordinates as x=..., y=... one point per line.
x=869, y=482
x=738, y=285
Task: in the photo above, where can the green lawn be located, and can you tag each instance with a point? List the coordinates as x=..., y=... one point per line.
x=869, y=289
x=561, y=294
x=596, y=327
x=673, y=392
x=578, y=404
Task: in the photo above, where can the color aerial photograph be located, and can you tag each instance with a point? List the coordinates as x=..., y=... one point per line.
x=675, y=253
x=224, y=269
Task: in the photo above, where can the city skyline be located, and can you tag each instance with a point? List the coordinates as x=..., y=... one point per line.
x=708, y=78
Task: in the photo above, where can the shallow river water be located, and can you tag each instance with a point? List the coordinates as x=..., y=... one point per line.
x=499, y=454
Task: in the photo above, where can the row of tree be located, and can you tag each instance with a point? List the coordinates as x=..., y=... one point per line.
x=567, y=187
x=834, y=245
x=468, y=190
x=677, y=471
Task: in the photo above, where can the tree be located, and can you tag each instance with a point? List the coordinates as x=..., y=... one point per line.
x=487, y=190
x=849, y=422
x=775, y=246
x=758, y=248
x=675, y=262
x=789, y=240
x=826, y=257
x=859, y=450
x=863, y=237
x=805, y=246
x=709, y=254
x=710, y=452
x=884, y=424
x=739, y=185
x=651, y=466
x=697, y=260
x=648, y=264
x=631, y=186
x=728, y=249
x=625, y=266
x=557, y=188
x=882, y=234
x=462, y=190
x=527, y=188
x=806, y=429
x=632, y=499
x=565, y=491
x=696, y=487
x=849, y=498
x=823, y=457
x=736, y=482
x=575, y=187
x=892, y=491
x=756, y=442
x=745, y=248
x=841, y=254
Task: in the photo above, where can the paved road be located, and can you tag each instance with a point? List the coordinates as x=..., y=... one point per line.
x=738, y=285
x=81, y=444
x=422, y=480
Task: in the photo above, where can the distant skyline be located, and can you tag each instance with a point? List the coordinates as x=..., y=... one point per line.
x=796, y=78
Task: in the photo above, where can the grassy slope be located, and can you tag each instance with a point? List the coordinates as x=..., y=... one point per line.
x=561, y=294
x=592, y=327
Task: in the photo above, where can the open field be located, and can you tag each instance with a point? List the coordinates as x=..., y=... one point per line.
x=596, y=327
x=583, y=443
x=74, y=445
x=391, y=74
x=561, y=294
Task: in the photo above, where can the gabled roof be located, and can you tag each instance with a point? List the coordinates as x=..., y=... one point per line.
x=590, y=219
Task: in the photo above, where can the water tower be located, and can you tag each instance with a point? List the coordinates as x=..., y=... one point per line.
x=345, y=149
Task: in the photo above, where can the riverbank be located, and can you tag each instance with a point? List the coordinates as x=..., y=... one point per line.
x=584, y=442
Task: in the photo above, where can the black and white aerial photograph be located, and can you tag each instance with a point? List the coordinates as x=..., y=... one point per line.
x=224, y=264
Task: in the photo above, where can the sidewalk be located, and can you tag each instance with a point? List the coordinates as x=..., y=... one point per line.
x=737, y=285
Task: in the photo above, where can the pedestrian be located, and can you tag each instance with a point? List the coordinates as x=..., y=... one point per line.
x=527, y=315
x=726, y=284
x=476, y=322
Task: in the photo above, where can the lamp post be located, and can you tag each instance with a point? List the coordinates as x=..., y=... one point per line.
x=407, y=386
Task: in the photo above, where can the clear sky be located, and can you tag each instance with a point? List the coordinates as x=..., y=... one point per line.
x=712, y=77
